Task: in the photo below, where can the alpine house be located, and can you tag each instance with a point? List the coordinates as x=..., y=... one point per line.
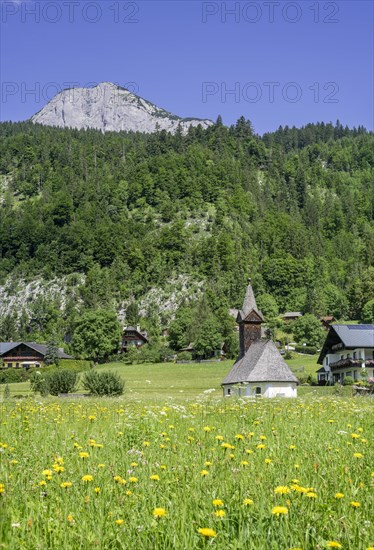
x=260, y=369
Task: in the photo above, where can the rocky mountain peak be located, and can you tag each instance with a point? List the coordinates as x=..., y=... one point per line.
x=110, y=108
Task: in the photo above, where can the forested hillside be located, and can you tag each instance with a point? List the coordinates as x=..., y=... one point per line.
x=133, y=212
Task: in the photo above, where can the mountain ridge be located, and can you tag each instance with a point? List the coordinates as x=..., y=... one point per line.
x=111, y=108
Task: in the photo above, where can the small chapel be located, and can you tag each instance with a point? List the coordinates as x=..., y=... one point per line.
x=260, y=370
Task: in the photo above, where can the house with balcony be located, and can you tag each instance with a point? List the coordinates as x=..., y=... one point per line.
x=133, y=337
x=26, y=354
x=347, y=351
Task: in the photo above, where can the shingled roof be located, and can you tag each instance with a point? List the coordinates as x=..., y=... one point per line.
x=249, y=304
x=261, y=363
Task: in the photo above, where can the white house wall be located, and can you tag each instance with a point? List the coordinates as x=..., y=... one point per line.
x=273, y=389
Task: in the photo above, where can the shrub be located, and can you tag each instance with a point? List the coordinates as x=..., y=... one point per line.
x=348, y=381
x=307, y=350
x=184, y=356
x=12, y=376
x=39, y=383
x=103, y=383
x=61, y=381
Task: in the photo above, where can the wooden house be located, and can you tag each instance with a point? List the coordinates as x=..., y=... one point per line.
x=260, y=369
x=26, y=354
x=133, y=337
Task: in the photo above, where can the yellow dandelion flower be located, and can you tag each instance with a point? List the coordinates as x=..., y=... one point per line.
x=339, y=495
x=101, y=465
x=239, y=436
x=358, y=455
x=70, y=518
x=154, y=477
x=87, y=477
x=261, y=446
x=204, y=473
x=355, y=504
x=207, y=532
x=66, y=484
x=217, y=502
x=220, y=513
x=84, y=455
x=311, y=494
x=268, y=461
x=207, y=463
x=333, y=544
x=47, y=472
x=219, y=437
x=279, y=510
x=43, y=482
x=281, y=490
x=263, y=437
x=97, y=490
x=244, y=463
x=159, y=512
x=120, y=521
x=292, y=447
x=133, y=479
x=146, y=443
x=355, y=436
x=207, y=429
x=247, y=502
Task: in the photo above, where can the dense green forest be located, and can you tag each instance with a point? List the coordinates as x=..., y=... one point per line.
x=293, y=208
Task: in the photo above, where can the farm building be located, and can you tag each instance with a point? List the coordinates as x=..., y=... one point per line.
x=260, y=369
x=26, y=354
x=348, y=349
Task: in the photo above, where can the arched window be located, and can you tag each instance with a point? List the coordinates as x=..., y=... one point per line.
x=258, y=390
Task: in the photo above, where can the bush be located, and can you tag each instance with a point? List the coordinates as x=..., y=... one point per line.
x=307, y=350
x=348, y=381
x=11, y=376
x=103, y=383
x=184, y=356
x=61, y=381
x=39, y=383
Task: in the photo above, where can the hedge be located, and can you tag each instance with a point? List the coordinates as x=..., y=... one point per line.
x=307, y=350
x=10, y=376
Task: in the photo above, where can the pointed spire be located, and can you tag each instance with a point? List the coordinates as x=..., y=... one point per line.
x=249, y=300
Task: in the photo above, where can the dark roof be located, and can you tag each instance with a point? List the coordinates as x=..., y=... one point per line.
x=261, y=363
x=5, y=347
x=292, y=314
x=249, y=304
x=351, y=336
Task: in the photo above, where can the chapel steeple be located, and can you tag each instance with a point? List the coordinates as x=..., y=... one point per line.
x=250, y=320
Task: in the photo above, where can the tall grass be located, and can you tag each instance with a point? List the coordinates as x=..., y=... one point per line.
x=92, y=474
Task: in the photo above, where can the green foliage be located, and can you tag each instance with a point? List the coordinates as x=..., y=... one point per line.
x=209, y=339
x=39, y=383
x=308, y=330
x=103, y=383
x=6, y=392
x=308, y=350
x=13, y=375
x=51, y=357
x=130, y=211
x=185, y=356
x=368, y=312
x=61, y=381
x=268, y=306
x=348, y=381
x=96, y=335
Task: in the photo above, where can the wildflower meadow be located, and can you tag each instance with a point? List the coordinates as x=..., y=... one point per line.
x=224, y=474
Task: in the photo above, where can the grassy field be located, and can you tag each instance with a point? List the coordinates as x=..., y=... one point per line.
x=209, y=473
x=182, y=381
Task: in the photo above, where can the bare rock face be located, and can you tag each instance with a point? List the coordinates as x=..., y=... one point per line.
x=110, y=108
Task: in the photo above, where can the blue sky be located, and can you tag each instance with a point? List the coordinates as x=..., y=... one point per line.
x=284, y=62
